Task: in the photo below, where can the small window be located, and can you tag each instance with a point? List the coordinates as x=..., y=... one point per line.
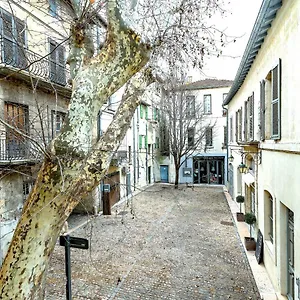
x=57, y=122
x=191, y=136
x=207, y=104
x=209, y=137
x=191, y=106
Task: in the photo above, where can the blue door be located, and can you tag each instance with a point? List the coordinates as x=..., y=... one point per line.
x=164, y=173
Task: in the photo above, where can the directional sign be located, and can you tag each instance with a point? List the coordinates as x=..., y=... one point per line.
x=74, y=242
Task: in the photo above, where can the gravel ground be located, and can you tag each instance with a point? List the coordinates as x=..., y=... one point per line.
x=161, y=244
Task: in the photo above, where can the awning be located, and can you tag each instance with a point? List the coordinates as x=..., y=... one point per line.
x=248, y=179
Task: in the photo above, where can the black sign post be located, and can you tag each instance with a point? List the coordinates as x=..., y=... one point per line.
x=71, y=242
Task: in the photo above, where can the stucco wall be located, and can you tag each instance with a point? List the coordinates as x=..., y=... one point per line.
x=280, y=160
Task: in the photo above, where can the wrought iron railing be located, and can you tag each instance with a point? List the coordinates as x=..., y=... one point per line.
x=15, y=55
x=16, y=150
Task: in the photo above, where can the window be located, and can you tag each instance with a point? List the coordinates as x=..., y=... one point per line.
x=207, y=104
x=143, y=111
x=248, y=120
x=208, y=137
x=57, y=63
x=262, y=125
x=239, y=125
x=17, y=116
x=141, y=141
x=231, y=129
x=191, y=135
x=276, y=102
x=225, y=137
x=13, y=40
x=53, y=8
x=57, y=122
x=157, y=142
x=190, y=101
x=271, y=227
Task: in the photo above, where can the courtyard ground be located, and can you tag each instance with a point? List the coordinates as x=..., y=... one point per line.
x=160, y=244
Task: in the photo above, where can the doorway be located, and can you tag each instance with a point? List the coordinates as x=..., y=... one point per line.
x=208, y=170
x=164, y=173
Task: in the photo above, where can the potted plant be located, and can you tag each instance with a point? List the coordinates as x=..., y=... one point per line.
x=250, y=243
x=239, y=215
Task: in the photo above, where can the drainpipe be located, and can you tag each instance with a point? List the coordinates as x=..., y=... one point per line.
x=227, y=148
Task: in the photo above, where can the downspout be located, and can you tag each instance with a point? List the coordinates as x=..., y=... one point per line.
x=227, y=147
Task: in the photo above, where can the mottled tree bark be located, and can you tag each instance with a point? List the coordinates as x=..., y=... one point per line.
x=74, y=166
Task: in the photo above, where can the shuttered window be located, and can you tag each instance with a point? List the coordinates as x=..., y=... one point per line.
x=13, y=32
x=246, y=120
x=275, y=103
x=262, y=110
x=240, y=124
x=251, y=117
x=231, y=129
x=140, y=141
x=237, y=126
x=57, y=63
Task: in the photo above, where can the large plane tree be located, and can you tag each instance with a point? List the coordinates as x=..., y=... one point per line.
x=72, y=166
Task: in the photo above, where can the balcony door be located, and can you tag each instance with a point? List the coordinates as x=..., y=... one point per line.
x=16, y=115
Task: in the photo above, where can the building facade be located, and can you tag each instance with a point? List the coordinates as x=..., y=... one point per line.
x=264, y=137
x=206, y=162
x=34, y=97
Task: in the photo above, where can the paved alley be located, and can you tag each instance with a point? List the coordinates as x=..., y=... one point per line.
x=161, y=244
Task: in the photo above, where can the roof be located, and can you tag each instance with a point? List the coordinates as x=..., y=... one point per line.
x=265, y=17
x=208, y=84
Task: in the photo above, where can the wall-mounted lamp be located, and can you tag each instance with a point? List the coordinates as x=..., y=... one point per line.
x=231, y=158
x=242, y=168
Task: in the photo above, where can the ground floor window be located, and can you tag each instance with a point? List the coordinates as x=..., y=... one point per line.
x=209, y=170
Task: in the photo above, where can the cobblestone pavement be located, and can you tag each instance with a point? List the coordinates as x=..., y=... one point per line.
x=161, y=244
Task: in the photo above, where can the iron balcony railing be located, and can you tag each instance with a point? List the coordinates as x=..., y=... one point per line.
x=15, y=55
x=17, y=150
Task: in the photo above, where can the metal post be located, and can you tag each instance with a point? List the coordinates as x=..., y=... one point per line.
x=68, y=267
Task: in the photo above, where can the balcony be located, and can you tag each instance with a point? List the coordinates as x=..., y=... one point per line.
x=17, y=151
x=22, y=63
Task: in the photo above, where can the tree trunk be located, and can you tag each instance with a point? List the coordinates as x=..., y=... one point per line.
x=73, y=168
x=177, y=167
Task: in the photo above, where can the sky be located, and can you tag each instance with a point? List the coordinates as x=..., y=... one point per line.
x=239, y=23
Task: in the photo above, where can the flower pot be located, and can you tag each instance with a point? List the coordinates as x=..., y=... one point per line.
x=240, y=217
x=250, y=243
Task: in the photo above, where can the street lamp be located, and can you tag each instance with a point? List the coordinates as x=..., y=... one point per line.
x=231, y=158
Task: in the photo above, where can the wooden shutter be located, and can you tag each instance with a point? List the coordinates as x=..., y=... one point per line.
x=251, y=117
x=262, y=110
x=236, y=126
x=246, y=120
x=140, y=141
x=61, y=65
x=241, y=124
x=231, y=129
x=275, y=102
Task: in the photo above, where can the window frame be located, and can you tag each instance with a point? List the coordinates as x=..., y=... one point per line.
x=207, y=106
x=276, y=76
x=191, y=106
x=209, y=137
